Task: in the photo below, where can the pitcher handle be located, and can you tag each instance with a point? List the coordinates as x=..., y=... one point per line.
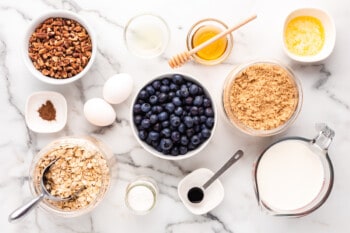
x=324, y=137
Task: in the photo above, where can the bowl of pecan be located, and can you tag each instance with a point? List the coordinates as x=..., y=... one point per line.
x=82, y=171
x=59, y=47
x=262, y=98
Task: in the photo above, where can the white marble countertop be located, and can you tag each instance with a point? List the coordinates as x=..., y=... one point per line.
x=326, y=99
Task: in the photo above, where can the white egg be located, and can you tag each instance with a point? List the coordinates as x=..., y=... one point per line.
x=98, y=112
x=118, y=88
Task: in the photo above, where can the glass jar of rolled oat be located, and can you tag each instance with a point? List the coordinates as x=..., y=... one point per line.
x=262, y=98
x=82, y=171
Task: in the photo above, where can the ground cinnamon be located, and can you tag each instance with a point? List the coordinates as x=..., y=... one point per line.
x=47, y=111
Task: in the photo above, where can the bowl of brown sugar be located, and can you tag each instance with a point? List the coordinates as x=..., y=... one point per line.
x=262, y=98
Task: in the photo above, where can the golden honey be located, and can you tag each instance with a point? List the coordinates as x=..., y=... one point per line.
x=213, y=51
x=304, y=36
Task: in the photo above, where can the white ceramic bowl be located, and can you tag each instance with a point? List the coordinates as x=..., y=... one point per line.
x=213, y=196
x=158, y=154
x=33, y=119
x=329, y=29
x=35, y=23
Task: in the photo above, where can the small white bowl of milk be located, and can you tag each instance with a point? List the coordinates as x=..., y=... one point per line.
x=294, y=176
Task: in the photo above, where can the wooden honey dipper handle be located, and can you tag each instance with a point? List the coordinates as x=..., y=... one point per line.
x=181, y=58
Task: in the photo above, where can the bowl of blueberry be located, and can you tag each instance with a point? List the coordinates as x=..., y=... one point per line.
x=173, y=116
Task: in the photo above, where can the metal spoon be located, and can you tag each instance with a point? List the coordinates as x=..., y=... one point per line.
x=26, y=208
x=196, y=194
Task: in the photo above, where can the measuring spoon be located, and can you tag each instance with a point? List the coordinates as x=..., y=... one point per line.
x=26, y=208
x=196, y=194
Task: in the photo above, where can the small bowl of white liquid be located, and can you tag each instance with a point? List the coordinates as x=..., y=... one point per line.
x=294, y=176
x=146, y=35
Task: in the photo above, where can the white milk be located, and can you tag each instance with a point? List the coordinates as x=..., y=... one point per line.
x=289, y=175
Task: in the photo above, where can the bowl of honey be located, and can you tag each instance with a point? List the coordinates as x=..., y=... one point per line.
x=215, y=52
x=309, y=35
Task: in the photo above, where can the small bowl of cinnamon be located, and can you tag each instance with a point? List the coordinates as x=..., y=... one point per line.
x=46, y=112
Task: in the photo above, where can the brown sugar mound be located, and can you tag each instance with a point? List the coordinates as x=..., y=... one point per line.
x=263, y=96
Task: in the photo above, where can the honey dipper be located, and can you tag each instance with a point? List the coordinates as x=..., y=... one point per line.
x=181, y=58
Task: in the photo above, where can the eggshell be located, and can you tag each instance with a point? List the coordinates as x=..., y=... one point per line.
x=98, y=112
x=118, y=88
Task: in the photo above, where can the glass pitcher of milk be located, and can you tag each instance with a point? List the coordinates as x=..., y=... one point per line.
x=294, y=176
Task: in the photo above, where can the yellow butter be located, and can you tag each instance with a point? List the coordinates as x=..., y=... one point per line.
x=304, y=36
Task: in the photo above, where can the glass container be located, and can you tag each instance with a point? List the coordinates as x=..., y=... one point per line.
x=216, y=25
x=146, y=35
x=141, y=195
x=88, y=144
x=229, y=113
x=318, y=150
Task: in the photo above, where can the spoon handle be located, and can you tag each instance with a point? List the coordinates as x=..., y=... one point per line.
x=26, y=208
x=228, y=164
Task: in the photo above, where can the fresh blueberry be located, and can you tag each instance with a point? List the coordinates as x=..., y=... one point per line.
x=178, y=93
x=165, y=124
x=153, y=135
x=166, y=144
x=140, y=101
x=189, y=83
x=183, y=150
x=145, y=123
x=148, y=141
x=164, y=89
x=143, y=95
x=178, y=111
x=163, y=116
x=154, y=144
x=173, y=87
x=146, y=107
x=175, y=136
x=156, y=84
x=190, y=132
x=194, y=111
x=170, y=107
x=206, y=102
x=165, y=81
x=177, y=79
x=150, y=90
x=153, y=99
x=200, y=111
x=206, y=133
x=191, y=146
x=184, y=140
x=142, y=135
x=184, y=91
x=181, y=128
x=200, y=91
x=176, y=101
x=157, y=109
x=156, y=127
x=197, y=128
x=165, y=133
x=162, y=97
x=137, y=108
x=209, y=112
x=198, y=100
x=203, y=119
x=188, y=121
x=195, y=140
x=137, y=119
x=210, y=122
x=175, y=121
x=196, y=120
x=153, y=118
x=171, y=95
x=189, y=100
x=193, y=89
x=174, y=151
